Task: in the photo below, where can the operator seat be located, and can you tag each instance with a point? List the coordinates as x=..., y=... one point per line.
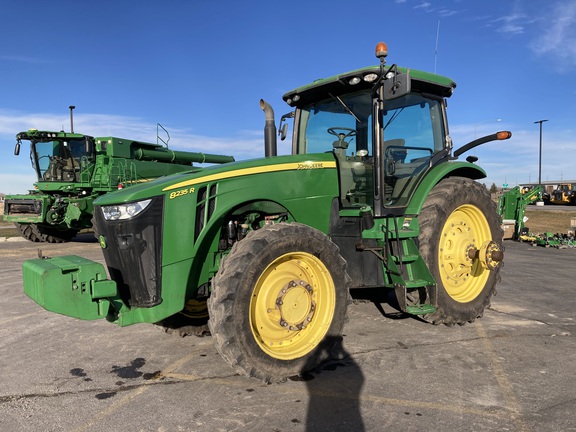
x=355, y=174
x=393, y=155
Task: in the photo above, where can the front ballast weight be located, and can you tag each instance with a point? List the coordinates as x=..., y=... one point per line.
x=69, y=285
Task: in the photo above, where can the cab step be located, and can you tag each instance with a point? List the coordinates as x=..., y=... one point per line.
x=423, y=309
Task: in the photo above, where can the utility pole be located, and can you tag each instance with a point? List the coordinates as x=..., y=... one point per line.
x=540, y=156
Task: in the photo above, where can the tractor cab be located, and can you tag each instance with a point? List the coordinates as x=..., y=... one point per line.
x=385, y=125
x=413, y=132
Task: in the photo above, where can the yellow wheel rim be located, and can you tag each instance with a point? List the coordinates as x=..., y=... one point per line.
x=463, y=277
x=195, y=309
x=292, y=306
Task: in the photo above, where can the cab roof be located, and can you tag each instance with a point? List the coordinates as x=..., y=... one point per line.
x=320, y=89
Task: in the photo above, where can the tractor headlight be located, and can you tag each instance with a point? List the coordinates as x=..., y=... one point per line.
x=371, y=77
x=124, y=211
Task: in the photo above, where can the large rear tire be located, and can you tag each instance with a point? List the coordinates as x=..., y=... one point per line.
x=461, y=242
x=278, y=303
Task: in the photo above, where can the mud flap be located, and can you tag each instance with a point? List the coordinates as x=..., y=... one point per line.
x=69, y=285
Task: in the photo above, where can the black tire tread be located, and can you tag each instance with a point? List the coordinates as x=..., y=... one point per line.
x=224, y=325
x=27, y=232
x=445, y=196
x=48, y=234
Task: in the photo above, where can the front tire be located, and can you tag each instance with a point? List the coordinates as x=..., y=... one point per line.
x=460, y=241
x=278, y=303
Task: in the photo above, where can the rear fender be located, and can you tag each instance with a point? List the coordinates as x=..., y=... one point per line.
x=438, y=173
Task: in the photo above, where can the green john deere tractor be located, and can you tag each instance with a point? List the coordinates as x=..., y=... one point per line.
x=74, y=169
x=373, y=197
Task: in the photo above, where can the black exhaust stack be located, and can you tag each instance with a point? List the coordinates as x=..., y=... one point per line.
x=269, y=129
x=71, y=118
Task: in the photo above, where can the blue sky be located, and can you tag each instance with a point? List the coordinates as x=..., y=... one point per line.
x=200, y=67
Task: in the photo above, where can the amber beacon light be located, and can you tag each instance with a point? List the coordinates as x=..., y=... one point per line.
x=381, y=50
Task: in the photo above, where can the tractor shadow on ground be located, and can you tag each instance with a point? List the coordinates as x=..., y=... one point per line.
x=378, y=299
x=85, y=237
x=334, y=390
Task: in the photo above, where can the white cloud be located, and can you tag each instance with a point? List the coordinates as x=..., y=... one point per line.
x=424, y=5
x=515, y=161
x=511, y=161
x=248, y=141
x=17, y=175
x=445, y=13
x=24, y=59
x=557, y=37
x=512, y=24
x=14, y=183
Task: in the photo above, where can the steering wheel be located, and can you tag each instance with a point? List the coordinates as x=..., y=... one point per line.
x=342, y=133
x=348, y=132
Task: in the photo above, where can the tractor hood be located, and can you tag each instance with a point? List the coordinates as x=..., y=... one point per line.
x=176, y=182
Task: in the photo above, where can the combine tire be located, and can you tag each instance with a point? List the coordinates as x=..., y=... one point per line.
x=458, y=224
x=52, y=235
x=27, y=232
x=278, y=303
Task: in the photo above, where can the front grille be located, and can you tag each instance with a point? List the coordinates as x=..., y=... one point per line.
x=133, y=254
x=23, y=206
x=204, y=208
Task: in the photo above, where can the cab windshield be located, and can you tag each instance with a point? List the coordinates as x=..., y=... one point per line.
x=412, y=128
x=61, y=160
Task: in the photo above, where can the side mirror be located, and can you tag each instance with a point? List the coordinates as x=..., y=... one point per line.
x=397, y=86
x=17, y=148
x=283, y=132
x=283, y=128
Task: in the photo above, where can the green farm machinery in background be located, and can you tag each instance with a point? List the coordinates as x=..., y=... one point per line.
x=512, y=209
x=73, y=170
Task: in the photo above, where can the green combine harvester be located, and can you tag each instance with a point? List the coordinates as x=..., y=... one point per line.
x=73, y=170
x=373, y=198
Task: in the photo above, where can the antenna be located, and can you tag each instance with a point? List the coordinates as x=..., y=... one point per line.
x=436, y=50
